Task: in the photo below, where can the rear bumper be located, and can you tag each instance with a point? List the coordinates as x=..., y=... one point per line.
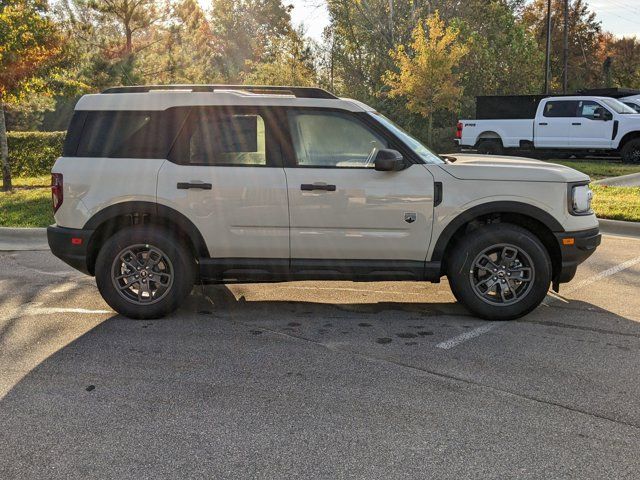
x=70, y=246
x=574, y=253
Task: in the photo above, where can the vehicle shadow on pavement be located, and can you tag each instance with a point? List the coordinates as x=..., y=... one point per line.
x=135, y=398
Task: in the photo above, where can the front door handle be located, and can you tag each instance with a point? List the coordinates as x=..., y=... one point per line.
x=543, y=123
x=194, y=185
x=576, y=123
x=317, y=186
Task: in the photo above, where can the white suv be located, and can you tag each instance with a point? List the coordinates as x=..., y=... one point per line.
x=160, y=187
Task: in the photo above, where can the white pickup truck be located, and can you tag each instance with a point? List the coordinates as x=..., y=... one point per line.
x=562, y=125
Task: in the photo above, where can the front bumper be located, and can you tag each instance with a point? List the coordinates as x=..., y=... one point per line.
x=70, y=245
x=575, y=248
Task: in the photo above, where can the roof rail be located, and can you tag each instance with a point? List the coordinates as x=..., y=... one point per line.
x=300, y=92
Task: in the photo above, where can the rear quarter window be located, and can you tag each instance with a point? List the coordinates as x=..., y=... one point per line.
x=126, y=134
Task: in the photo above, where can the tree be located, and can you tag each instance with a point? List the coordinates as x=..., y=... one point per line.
x=622, y=58
x=584, y=37
x=30, y=48
x=246, y=29
x=503, y=59
x=426, y=76
x=290, y=63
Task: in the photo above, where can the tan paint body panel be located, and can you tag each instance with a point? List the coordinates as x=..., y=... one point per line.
x=364, y=219
x=244, y=215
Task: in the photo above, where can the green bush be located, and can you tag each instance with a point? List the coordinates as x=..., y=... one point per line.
x=33, y=153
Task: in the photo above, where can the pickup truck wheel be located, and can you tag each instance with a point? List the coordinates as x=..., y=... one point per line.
x=144, y=272
x=500, y=272
x=490, y=147
x=631, y=151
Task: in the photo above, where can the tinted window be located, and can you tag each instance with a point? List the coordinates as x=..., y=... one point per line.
x=224, y=138
x=333, y=139
x=129, y=134
x=561, y=108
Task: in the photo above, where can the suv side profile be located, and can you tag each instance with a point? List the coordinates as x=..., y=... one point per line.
x=163, y=186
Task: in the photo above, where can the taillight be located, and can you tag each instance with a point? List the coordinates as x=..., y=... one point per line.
x=459, y=130
x=56, y=191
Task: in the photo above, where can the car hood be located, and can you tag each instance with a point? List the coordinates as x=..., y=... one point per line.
x=490, y=167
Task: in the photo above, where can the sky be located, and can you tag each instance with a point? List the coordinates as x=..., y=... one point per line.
x=621, y=17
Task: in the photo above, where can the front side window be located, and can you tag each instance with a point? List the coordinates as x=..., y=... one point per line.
x=223, y=138
x=333, y=139
x=590, y=109
x=561, y=109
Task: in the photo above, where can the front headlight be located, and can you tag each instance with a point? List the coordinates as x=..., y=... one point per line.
x=580, y=203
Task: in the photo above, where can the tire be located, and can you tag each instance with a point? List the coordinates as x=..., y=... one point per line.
x=490, y=147
x=148, y=254
x=472, y=278
x=630, y=153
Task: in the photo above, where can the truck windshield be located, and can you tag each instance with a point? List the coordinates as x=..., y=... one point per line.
x=617, y=106
x=423, y=152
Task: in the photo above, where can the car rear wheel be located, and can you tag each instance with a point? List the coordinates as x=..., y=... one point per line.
x=143, y=272
x=490, y=147
x=500, y=272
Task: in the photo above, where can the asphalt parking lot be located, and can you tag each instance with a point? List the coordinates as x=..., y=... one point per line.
x=319, y=380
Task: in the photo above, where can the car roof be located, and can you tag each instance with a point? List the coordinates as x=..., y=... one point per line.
x=161, y=97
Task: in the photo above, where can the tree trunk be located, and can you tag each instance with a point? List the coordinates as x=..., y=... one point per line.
x=4, y=151
x=430, y=131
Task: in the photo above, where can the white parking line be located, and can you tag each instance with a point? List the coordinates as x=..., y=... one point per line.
x=588, y=281
x=476, y=332
x=50, y=310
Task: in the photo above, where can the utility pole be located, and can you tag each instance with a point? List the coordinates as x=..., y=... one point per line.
x=548, y=57
x=391, y=21
x=565, y=49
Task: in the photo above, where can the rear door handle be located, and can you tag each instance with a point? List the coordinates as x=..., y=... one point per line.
x=576, y=123
x=316, y=186
x=194, y=185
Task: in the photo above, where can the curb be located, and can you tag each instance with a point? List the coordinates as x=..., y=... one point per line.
x=631, y=180
x=23, y=239
x=618, y=227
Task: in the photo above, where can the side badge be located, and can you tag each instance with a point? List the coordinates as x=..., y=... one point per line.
x=410, y=217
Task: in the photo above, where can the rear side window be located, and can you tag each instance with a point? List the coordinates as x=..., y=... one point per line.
x=561, y=108
x=227, y=138
x=129, y=134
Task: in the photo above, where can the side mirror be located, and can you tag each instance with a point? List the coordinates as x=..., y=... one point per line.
x=389, y=161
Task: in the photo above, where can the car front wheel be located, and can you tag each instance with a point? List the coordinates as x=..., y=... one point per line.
x=144, y=272
x=500, y=272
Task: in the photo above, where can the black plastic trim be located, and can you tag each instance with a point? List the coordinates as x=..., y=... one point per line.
x=488, y=209
x=585, y=243
x=437, y=193
x=161, y=212
x=59, y=239
x=247, y=270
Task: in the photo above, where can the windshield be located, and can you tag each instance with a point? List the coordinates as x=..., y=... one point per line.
x=617, y=106
x=422, y=151
x=633, y=105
